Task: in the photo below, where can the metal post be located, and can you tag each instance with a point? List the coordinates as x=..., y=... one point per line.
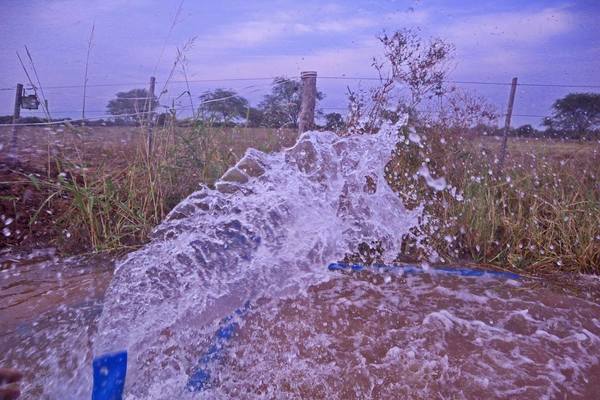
x=509, y=110
x=306, y=120
x=15, y=120
x=149, y=113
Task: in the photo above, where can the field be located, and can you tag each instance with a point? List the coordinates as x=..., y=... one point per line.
x=96, y=189
x=38, y=148
x=540, y=213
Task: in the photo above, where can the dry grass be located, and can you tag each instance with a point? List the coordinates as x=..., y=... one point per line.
x=99, y=189
x=540, y=215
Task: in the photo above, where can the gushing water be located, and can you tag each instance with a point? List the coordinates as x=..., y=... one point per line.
x=269, y=230
x=266, y=235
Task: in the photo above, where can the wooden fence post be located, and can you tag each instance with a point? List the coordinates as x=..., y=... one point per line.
x=15, y=120
x=306, y=120
x=149, y=113
x=509, y=110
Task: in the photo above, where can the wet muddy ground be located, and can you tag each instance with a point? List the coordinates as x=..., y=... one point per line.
x=428, y=336
x=356, y=335
x=48, y=308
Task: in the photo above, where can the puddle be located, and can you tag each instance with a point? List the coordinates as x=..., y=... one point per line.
x=48, y=313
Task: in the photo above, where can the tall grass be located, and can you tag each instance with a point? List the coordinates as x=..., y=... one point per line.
x=106, y=207
x=541, y=213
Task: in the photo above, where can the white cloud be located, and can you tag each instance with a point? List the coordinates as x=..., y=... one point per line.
x=510, y=28
x=344, y=25
x=285, y=25
x=72, y=11
x=506, y=43
x=346, y=60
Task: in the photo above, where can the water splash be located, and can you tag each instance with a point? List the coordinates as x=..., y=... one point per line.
x=269, y=229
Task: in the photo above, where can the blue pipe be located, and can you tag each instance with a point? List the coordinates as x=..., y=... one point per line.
x=413, y=269
x=200, y=378
x=109, y=376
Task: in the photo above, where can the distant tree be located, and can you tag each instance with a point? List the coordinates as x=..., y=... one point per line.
x=576, y=114
x=131, y=105
x=334, y=121
x=222, y=106
x=281, y=107
x=165, y=119
x=420, y=65
x=464, y=110
x=254, y=117
x=525, y=130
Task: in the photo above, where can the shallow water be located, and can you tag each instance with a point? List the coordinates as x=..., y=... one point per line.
x=369, y=334
x=429, y=336
x=48, y=313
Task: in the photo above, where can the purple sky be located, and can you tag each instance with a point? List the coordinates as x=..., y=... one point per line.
x=552, y=42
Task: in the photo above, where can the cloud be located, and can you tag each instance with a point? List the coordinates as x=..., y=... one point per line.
x=511, y=28
x=344, y=25
x=283, y=27
x=294, y=24
x=350, y=60
x=72, y=11
x=508, y=42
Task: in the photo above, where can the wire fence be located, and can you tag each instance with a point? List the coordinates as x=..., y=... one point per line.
x=340, y=77
x=266, y=83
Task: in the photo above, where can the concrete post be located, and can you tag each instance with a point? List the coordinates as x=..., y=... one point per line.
x=149, y=113
x=511, y=102
x=306, y=120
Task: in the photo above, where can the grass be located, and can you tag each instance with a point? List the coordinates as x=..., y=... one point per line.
x=103, y=191
x=540, y=214
x=100, y=190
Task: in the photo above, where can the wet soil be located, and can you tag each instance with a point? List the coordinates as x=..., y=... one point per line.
x=363, y=335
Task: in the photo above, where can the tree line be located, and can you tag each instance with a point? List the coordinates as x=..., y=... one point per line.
x=576, y=116
x=225, y=107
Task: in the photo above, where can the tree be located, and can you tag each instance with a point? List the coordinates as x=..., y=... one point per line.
x=576, y=114
x=525, y=131
x=464, y=110
x=131, y=105
x=421, y=66
x=222, y=106
x=281, y=107
x=254, y=117
x=334, y=121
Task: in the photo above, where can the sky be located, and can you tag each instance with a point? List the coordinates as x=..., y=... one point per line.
x=547, y=42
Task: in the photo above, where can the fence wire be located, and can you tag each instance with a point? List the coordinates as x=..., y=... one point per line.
x=246, y=90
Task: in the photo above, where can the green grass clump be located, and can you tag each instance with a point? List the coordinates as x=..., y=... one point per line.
x=540, y=213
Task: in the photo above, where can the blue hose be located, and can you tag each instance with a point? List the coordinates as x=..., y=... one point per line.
x=110, y=369
x=413, y=269
x=200, y=378
x=109, y=376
